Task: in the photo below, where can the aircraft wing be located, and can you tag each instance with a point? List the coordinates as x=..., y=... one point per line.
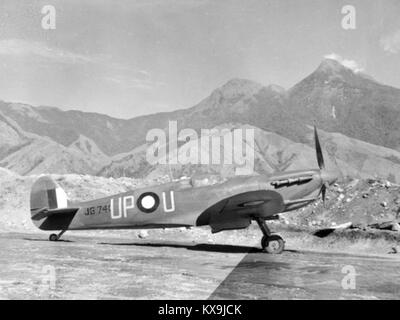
x=238, y=210
x=263, y=202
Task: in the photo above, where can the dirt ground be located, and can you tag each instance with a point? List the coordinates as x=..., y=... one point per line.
x=101, y=265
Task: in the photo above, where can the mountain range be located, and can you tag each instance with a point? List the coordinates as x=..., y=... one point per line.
x=358, y=118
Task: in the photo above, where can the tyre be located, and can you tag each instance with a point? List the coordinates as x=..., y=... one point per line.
x=273, y=244
x=53, y=237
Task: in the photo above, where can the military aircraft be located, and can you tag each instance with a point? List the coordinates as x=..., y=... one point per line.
x=228, y=205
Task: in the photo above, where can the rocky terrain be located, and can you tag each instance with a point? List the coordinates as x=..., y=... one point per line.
x=15, y=193
x=358, y=116
x=364, y=203
x=141, y=264
x=272, y=153
x=177, y=265
x=92, y=155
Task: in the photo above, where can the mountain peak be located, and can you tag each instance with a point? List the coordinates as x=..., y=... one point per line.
x=235, y=87
x=347, y=70
x=329, y=65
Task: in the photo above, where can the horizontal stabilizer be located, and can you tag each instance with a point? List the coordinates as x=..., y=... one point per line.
x=45, y=213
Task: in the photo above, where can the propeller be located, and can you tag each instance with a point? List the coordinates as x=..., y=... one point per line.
x=320, y=157
x=323, y=191
x=321, y=164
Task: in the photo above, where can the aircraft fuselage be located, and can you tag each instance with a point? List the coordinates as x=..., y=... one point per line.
x=179, y=203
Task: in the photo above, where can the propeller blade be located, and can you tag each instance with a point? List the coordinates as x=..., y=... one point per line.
x=320, y=157
x=324, y=188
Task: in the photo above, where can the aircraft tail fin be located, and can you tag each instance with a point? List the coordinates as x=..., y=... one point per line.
x=49, y=205
x=47, y=194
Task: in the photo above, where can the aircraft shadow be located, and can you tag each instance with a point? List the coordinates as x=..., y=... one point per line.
x=222, y=248
x=208, y=247
x=47, y=240
x=322, y=233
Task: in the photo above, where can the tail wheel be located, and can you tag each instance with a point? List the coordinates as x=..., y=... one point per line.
x=273, y=244
x=53, y=237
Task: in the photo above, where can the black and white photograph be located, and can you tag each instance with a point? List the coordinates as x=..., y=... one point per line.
x=212, y=150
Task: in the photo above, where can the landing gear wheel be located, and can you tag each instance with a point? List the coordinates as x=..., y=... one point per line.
x=56, y=237
x=53, y=237
x=273, y=244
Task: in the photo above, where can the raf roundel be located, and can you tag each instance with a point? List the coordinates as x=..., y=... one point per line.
x=148, y=202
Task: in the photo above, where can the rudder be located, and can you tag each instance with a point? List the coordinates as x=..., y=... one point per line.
x=47, y=194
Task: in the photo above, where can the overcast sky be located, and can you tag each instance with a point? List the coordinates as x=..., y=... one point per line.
x=128, y=58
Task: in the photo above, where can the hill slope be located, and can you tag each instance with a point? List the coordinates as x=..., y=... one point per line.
x=359, y=109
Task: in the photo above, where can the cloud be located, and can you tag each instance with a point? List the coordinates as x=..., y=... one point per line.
x=27, y=48
x=139, y=80
x=116, y=72
x=350, y=64
x=391, y=43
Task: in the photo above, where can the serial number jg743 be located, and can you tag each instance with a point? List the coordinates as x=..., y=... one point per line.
x=97, y=210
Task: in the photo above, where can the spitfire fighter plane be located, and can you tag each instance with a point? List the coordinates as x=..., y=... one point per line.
x=228, y=205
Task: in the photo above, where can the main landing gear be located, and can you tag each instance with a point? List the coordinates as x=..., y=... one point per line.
x=56, y=237
x=271, y=243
